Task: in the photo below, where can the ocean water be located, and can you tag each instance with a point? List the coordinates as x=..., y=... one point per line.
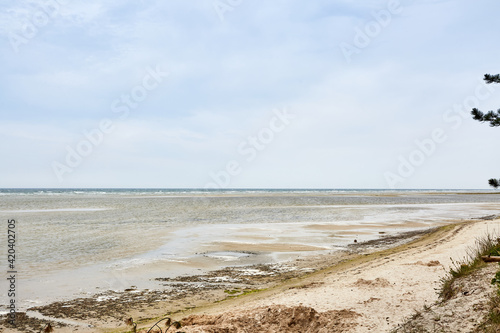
x=76, y=242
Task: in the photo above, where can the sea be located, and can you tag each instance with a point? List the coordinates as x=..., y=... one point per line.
x=73, y=243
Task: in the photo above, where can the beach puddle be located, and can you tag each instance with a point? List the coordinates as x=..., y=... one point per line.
x=267, y=247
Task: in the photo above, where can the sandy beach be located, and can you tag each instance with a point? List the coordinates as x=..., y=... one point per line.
x=118, y=240
x=248, y=166
x=371, y=293
x=324, y=256
x=373, y=287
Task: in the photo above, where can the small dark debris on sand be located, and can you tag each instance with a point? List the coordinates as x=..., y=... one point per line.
x=385, y=241
x=186, y=292
x=210, y=286
x=488, y=217
x=25, y=323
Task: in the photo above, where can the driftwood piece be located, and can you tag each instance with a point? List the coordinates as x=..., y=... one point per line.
x=491, y=258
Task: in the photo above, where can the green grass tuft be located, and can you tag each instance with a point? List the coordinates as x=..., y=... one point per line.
x=233, y=291
x=487, y=245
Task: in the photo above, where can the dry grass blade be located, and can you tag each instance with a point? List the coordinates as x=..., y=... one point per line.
x=48, y=328
x=487, y=245
x=130, y=322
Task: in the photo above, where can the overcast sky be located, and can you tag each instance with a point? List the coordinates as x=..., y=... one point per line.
x=240, y=93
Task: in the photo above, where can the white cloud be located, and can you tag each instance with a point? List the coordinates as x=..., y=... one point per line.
x=353, y=119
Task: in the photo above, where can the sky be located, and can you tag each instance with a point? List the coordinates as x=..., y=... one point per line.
x=247, y=94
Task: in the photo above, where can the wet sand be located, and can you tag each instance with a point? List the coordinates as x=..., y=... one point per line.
x=370, y=286
x=212, y=260
x=107, y=310
x=369, y=293
x=189, y=250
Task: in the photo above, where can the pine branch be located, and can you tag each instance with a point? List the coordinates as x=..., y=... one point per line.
x=477, y=115
x=491, y=117
x=494, y=182
x=492, y=78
